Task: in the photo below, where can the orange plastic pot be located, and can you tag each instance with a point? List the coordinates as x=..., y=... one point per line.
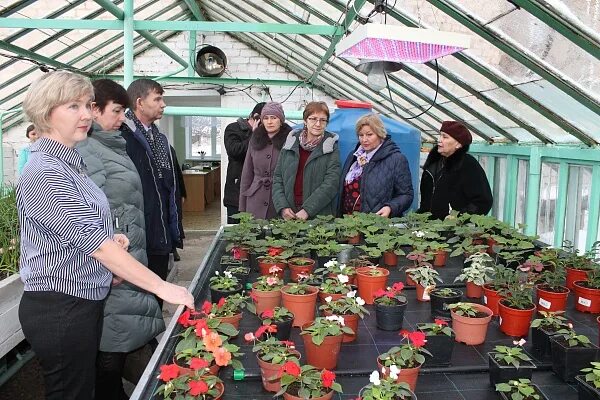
x=213, y=369
x=351, y=321
x=368, y=284
x=354, y=239
x=573, y=275
x=296, y=269
x=586, y=299
x=265, y=300
x=410, y=281
x=473, y=291
x=232, y=319
x=327, y=396
x=491, y=243
x=390, y=258
x=270, y=374
x=301, y=305
x=407, y=375
x=264, y=267
x=324, y=355
x=491, y=298
x=423, y=292
x=514, y=322
x=471, y=331
x=440, y=258
x=240, y=253
x=334, y=296
x=551, y=301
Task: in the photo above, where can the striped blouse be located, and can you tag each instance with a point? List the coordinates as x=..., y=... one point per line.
x=64, y=218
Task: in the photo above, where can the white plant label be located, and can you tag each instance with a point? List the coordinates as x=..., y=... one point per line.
x=500, y=319
x=544, y=303
x=484, y=299
x=426, y=292
x=584, y=302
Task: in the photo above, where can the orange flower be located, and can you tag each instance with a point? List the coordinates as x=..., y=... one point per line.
x=212, y=341
x=222, y=357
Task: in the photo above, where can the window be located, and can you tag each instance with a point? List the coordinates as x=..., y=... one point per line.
x=499, y=188
x=548, y=199
x=521, y=205
x=578, y=199
x=203, y=138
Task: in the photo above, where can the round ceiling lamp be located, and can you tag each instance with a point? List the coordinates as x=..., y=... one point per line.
x=211, y=62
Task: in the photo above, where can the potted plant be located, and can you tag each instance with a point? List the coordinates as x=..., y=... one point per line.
x=543, y=328
x=229, y=261
x=477, y=272
x=266, y=293
x=386, y=388
x=307, y=382
x=509, y=363
x=587, y=292
x=272, y=265
x=333, y=268
x=439, y=250
x=240, y=272
x=223, y=285
x=282, y=318
x=228, y=310
x=349, y=227
x=369, y=280
x=441, y=298
x=350, y=307
x=470, y=322
x=198, y=385
x=521, y=389
x=589, y=384
x=502, y=276
x=440, y=342
x=570, y=353
x=301, y=299
x=406, y=358
x=424, y=276
x=334, y=287
x=550, y=292
x=300, y=265
x=322, y=340
x=390, y=305
x=516, y=309
x=577, y=266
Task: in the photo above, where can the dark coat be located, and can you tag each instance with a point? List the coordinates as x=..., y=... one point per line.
x=385, y=180
x=257, y=174
x=459, y=182
x=236, y=138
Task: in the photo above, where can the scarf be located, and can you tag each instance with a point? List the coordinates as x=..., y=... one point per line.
x=362, y=159
x=306, y=144
x=157, y=142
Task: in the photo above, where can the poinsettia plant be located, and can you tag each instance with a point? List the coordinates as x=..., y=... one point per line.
x=392, y=296
x=277, y=314
x=385, y=388
x=197, y=385
x=307, y=382
x=437, y=327
x=321, y=327
x=270, y=349
x=348, y=304
x=407, y=355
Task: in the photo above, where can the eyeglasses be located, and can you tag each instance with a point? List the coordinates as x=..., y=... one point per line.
x=314, y=120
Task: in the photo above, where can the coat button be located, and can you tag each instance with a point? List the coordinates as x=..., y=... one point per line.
x=268, y=156
x=265, y=204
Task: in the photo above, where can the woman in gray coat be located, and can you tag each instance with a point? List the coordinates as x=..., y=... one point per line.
x=132, y=317
x=261, y=159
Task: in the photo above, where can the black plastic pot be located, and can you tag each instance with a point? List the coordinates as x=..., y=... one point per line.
x=413, y=396
x=507, y=396
x=439, y=304
x=568, y=361
x=242, y=277
x=389, y=318
x=227, y=261
x=441, y=348
x=216, y=295
x=540, y=342
x=504, y=373
x=585, y=390
x=284, y=328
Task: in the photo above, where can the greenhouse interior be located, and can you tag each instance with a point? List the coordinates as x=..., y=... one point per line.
x=349, y=199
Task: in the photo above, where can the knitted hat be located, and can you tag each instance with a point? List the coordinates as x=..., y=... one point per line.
x=275, y=109
x=257, y=109
x=458, y=131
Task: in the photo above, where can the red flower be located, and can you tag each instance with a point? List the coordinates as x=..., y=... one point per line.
x=261, y=330
x=206, y=307
x=288, y=343
x=267, y=314
x=404, y=333
x=272, y=328
x=197, y=387
x=275, y=251
x=398, y=286
x=417, y=338
x=184, y=319
x=168, y=372
x=328, y=378
x=237, y=254
x=380, y=292
x=201, y=324
x=198, y=363
x=440, y=322
x=221, y=302
x=291, y=368
x=390, y=295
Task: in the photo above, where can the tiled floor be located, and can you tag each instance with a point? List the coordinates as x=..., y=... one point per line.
x=209, y=219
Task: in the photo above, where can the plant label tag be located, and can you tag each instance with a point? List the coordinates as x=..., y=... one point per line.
x=584, y=302
x=500, y=319
x=484, y=299
x=426, y=292
x=544, y=303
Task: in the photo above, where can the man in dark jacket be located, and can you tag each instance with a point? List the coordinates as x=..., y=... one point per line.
x=151, y=154
x=453, y=179
x=237, y=136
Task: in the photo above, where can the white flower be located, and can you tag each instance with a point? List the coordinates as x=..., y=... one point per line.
x=519, y=342
x=337, y=318
x=216, y=272
x=227, y=274
x=351, y=294
x=394, y=371
x=374, y=378
x=418, y=234
x=360, y=301
x=570, y=325
x=342, y=267
x=331, y=263
x=328, y=299
x=343, y=278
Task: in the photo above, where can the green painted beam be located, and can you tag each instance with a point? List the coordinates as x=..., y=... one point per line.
x=43, y=23
x=592, y=231
x=302, y=29
x=533, y=191
x=510, y=198
x=560, y=209
x=558, y=20
x=348, y=18
x=193, y=6
x=507, y=46
x=109, y=6
x=191, y=72
x=128, y=16
x=36, y=57
x=222, y=112
x=217, y=81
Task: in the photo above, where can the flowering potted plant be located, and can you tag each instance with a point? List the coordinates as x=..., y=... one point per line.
x=543, y=328
x=424, y=276
x=370, y=280
x=300, y=265
x=509, y=363
x=350, y=307
x=570, y=353
x=589, y=384
x=441, y=298
x=478, y=271
x=334, y=287
x=470, y=322
x=307, y=382
x=322, y=340
x=333, y=268
x=389, y=307
x=266, y=293
x=223, y=285
x=199, y=384
x=227, y=309
x=241, y=272
x=521, y=389
x=301, y=299
x=406, y=358
x=282, y=318
x=386, y=388
x=440, y=342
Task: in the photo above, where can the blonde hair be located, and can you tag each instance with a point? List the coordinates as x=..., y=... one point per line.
x=374, y=122
x=50, y=91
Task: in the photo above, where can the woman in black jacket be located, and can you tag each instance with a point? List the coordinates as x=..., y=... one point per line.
x=453, y=179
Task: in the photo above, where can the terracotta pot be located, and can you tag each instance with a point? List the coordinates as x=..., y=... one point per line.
x=264, y=267
x=440, y=258
x=266, y=300
x=551, y=301
x=575, y=275
x=586, y=299
x=368, y=285
x=410, y=281
x=407, y=375
x=351, y=321
x=296, y=269
x=221, y=388
x=390, y=258
x=334, y=296
x=240, y=252
x=423, y=292
x=515, y=322
x=324, y=355
x=270, y=374
x=301, y=305
x=353, y=239
x=491, y=243
x=473, y=291
x=471, y=331
x=327, y=396
x=233, y=320
x=184, y=369
x=491, y=298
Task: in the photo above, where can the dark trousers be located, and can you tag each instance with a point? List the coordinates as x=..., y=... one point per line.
x=159, y=264
x=109, y=373
x=64, y=332
x=231, y=211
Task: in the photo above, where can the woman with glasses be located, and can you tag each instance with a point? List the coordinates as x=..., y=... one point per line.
x=261, y=158
x=308, y=170
x=376, y=177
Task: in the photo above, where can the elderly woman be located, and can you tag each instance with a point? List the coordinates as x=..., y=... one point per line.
x=308, y=170
x=68, y=249
x=132, y=317
x=453, y=179
x=376, y=177
x=261, y=158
